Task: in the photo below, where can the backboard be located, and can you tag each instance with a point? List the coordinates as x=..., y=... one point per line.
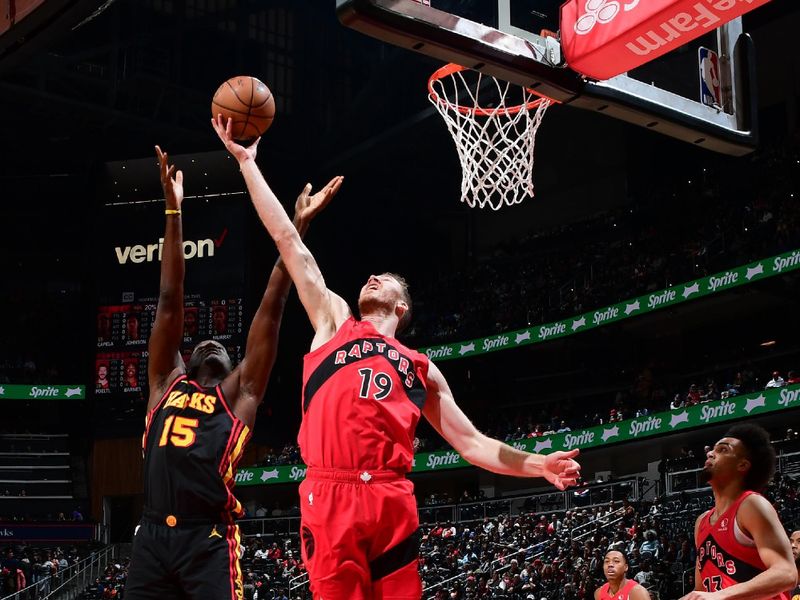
x=503, y=38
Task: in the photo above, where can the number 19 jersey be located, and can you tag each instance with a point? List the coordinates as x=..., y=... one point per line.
x=363, y=394
x=191, y=445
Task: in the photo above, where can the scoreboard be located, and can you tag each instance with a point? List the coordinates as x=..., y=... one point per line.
x=128, y=256
x=123, y=331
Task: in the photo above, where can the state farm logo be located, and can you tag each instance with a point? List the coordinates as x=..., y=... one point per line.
x=600, y=11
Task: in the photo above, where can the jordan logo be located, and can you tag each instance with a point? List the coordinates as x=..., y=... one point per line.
x=215, y=533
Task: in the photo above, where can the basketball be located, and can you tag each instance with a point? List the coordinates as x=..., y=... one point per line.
x=248, y=102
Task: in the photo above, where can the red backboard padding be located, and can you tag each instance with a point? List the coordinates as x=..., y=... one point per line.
x=603, y=38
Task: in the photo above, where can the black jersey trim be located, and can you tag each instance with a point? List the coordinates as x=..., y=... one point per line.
x=416, y=393
x=744, y=571
x=396, y=557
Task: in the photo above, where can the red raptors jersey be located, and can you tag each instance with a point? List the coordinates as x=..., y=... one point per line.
x=622, y=594
x=362, y=398
x=723, y=560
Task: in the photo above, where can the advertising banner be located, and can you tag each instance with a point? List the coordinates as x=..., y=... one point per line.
x=677, y=294
x=10, y=391
x=11, y=533
x=700, y=415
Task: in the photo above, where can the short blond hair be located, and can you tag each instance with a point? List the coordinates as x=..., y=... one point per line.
x=406, y=318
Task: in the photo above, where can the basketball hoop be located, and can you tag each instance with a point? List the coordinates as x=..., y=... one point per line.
x=495, y=142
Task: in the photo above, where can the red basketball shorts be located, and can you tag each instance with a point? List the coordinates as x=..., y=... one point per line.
x=359, y=535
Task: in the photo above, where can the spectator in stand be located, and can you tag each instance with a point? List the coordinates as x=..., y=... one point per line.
x=793, y=378
x=651, y=545
x=646, y=576
x=677, y=402
x=693, y=395
x=776, y=381
x=711, y=392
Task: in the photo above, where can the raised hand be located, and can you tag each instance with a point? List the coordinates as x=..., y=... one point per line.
x=171, y=181
x=561, y=470
x=307, y=206
x=239, y=152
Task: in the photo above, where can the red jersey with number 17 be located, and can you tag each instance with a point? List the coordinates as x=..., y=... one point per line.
x=724, y=554
x=363, y=394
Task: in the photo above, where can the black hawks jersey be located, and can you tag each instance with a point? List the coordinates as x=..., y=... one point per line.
x=191, y=444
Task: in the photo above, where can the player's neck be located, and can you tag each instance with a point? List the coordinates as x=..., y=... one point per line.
x=384, y=324
x=725, y=495
x=615, y=586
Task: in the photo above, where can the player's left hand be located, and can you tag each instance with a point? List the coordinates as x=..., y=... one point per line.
x=309, y=206
x=561, y=470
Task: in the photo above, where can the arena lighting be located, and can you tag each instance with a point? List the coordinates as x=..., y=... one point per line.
x=768, y=343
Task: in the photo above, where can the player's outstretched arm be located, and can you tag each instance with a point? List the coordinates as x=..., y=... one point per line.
x=447, y=418
x=758, y=518
x=262, y=340
x=164, y=359
x=325, y=310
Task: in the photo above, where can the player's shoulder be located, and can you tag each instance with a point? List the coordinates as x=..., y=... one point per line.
x=638, y=592
x=756, y=505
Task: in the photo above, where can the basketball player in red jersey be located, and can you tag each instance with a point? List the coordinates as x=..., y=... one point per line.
x=742, y=549
x=794, y=540
x=198, y=421
x=618, y=586
x=363, y=395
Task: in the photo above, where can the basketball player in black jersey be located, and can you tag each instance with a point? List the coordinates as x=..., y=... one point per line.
x=199, y=418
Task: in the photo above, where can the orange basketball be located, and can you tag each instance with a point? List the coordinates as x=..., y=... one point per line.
x=248, y=102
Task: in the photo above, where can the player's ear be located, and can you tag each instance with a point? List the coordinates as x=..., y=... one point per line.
x=744, y=465
x=401, y=308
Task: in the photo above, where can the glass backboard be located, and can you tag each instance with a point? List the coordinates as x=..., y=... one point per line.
x=505, y=39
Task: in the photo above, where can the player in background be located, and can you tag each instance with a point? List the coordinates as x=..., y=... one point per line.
x=363, y=395
x=199, y=418
x=618, y=586
x=742, y=549
x=794, y=540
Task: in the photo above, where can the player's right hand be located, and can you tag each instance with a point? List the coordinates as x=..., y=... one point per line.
x=239, y=152
x=171, y=181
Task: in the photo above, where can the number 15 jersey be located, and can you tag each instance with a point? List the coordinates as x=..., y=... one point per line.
x=363, y=395
x=191, y=444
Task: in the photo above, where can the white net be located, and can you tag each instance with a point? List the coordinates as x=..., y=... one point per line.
x=495, y=145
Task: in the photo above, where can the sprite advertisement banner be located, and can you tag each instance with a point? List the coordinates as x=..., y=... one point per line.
x=709, y=413
x=677, y=294
x=10, y=391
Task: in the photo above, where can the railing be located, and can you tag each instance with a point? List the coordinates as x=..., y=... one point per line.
x=70, y=583
x=496, y=566
x=690, y=480
x=543, y=502
x=686, y=586
x=297, y=586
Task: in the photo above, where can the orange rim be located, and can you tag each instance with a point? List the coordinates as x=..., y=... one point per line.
x=452, y=68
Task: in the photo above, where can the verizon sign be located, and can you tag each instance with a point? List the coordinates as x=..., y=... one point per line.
x=604, y=38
